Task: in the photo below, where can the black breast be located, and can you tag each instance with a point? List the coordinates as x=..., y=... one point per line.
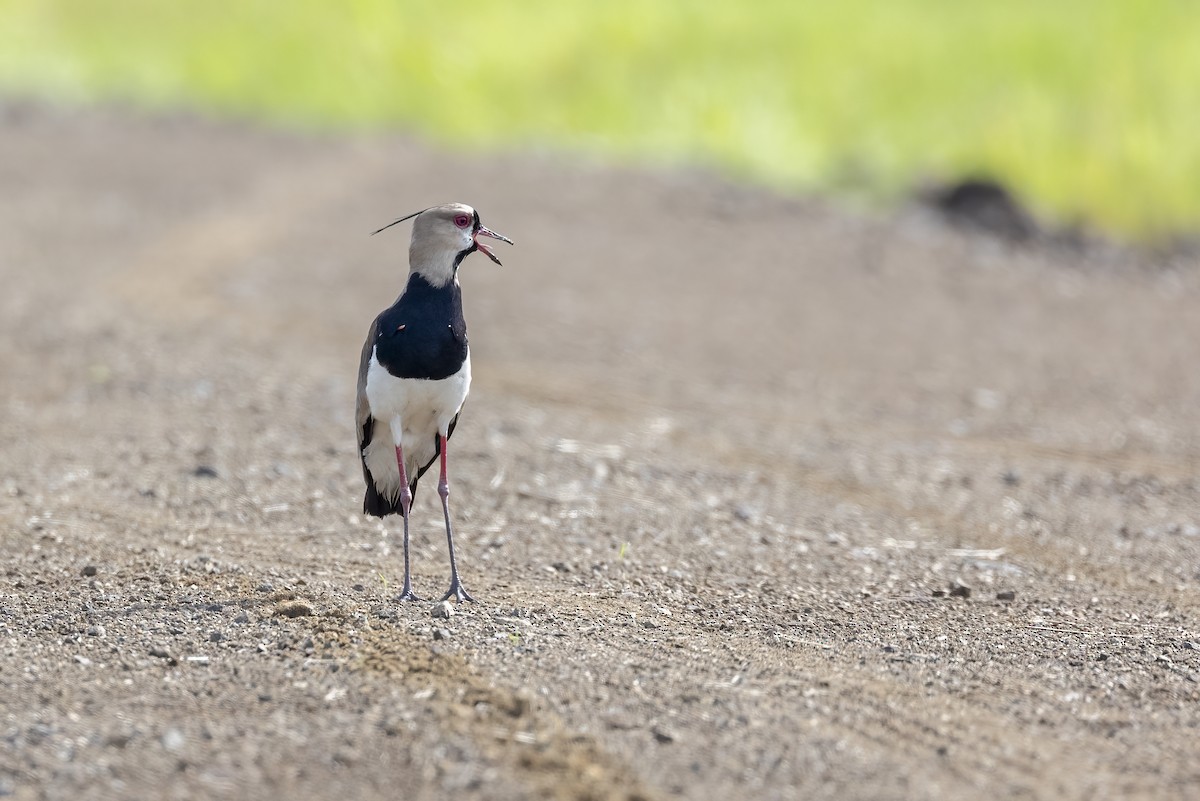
x=424, y=334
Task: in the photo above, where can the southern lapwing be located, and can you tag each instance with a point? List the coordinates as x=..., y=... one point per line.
x=416, y=372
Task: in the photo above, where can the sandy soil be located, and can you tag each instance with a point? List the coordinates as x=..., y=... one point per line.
x=725, y=459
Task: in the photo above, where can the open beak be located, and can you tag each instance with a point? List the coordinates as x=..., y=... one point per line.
x=484, y=249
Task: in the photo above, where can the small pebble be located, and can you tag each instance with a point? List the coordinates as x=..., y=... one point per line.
x=173, y=740
x=744, y=513
x=445, y=609
x=441, y=634
x=242, y=618
x=216, y=636
x=959, y=590
x=96, y=631
x=160, y=653
x=939, y=593
x=1006, y=595
x=88, y=571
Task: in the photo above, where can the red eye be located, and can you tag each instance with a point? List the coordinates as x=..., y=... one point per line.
x=462, y=221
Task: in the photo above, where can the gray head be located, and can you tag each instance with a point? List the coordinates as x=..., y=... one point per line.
x=442, y=237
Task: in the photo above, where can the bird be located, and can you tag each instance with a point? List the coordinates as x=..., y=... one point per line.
x=415, y=374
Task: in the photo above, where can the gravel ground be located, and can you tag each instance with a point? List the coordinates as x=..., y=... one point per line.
x=760, y=499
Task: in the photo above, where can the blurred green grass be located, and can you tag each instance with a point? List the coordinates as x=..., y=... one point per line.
x=1089, y=108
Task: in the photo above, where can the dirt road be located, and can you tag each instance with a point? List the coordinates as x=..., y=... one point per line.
x=760, y=499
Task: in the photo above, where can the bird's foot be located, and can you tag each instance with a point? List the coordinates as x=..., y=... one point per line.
x=458, y=592
x=407, y=594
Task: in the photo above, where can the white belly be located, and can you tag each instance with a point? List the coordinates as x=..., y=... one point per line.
x=414, y=411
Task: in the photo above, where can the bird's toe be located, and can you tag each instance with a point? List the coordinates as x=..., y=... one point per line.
x=458, y=592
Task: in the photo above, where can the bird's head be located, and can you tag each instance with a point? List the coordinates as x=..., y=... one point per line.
x=442, y=237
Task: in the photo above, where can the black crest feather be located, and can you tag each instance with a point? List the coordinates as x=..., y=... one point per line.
x=402, y=219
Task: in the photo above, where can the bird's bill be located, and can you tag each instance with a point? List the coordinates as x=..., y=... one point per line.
x=484, y=249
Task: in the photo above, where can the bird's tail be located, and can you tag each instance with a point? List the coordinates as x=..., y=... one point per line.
x=378, y=505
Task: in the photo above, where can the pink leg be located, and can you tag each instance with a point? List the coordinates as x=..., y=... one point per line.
x=406, y=594
x=457, y=590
